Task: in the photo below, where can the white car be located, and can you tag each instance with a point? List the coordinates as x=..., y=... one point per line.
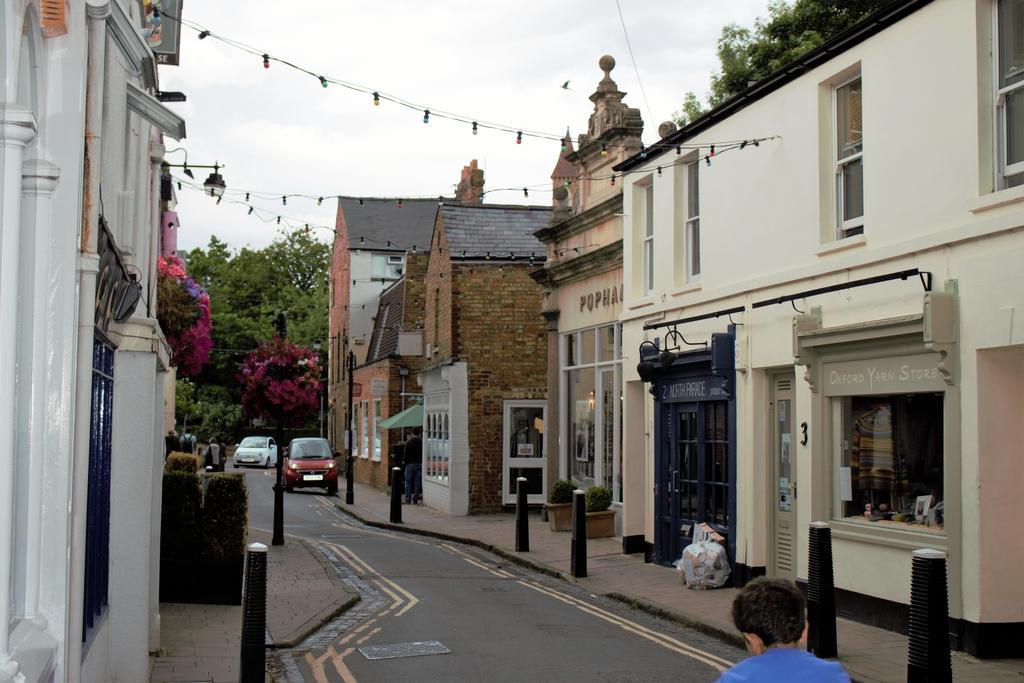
x=256, y=450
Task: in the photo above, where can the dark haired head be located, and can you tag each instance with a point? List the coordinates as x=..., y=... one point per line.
x=416, y=431
x=772, y=609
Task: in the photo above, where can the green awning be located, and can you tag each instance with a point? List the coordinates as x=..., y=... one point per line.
x=410, y=417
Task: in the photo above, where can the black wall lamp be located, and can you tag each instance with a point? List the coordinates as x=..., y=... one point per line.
x=214, y=184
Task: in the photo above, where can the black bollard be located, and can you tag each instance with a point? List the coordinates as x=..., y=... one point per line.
x=821, y=593
x=396, y=495
x=928, y=642
x=350, y=495
x=522, y=522
x=252, y=664
x=578, y=561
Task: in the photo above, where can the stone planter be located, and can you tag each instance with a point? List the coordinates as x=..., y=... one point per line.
x=600, y=524
x=559, y=516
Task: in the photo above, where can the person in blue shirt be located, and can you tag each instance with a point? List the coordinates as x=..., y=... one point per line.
x=772, y=616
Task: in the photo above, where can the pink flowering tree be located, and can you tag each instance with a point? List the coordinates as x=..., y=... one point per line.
x=280, y=382
x=183, y=310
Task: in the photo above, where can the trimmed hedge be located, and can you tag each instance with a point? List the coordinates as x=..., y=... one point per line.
x=561, y=492
x=183, y=462
x=180, y=534
x=225, y=517
x=598, y=499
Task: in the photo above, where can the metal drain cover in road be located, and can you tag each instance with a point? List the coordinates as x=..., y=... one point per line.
x=418, y=649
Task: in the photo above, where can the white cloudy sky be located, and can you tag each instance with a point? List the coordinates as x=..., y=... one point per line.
x=277, y=130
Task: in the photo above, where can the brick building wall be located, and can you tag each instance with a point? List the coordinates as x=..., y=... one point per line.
x=337, y=377
x=502, y=337
x=437, y=292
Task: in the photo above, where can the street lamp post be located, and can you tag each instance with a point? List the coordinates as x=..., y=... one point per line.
x=278, y=539
x=350, y=435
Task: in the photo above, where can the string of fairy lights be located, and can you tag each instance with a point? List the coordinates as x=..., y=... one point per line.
x=426, y=112
x=243, y=197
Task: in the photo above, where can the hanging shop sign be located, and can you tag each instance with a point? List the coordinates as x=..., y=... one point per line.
x=894, y=375
x=161, y=28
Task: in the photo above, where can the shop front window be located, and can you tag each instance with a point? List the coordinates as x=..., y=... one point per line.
x=890, y=460
x=437, y=453
x=593, y=416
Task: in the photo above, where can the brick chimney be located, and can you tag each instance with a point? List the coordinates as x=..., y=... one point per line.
x=470, y=189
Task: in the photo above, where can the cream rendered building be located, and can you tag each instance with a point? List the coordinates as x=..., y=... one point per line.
x=888, y=171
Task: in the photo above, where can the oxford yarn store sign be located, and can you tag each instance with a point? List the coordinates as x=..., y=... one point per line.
x=895, y=375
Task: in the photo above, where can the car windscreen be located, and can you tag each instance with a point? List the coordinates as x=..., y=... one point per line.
x=309, y=450
x=253, y=442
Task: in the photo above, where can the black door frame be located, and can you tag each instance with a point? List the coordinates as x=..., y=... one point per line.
x=692, y=380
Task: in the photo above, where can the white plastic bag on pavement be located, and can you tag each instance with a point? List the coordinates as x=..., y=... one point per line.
x=705, y=564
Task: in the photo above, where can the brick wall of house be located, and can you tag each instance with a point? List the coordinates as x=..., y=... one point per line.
x=337, y=382
x=503, y=338
x=437, y=292
x=369, y=471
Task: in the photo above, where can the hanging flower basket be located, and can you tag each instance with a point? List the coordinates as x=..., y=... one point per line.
x=183, y=310
x=280, y=382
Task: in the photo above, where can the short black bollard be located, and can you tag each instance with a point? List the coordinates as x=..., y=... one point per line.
x=522, y=522
x=396, y=495
x=253, y=663
x=350, y=474
x=928, y=631
x=578, y=561
x=821, y=593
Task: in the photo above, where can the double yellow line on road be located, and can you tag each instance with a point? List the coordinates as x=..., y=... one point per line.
x=675, y=645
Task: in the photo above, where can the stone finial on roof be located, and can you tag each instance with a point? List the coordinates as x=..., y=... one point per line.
x=470, y=189
x=609, y=110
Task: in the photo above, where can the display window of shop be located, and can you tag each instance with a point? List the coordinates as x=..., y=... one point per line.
x=364, y=448
x=376, y=429
x=592, y=422
x=889, y=460
x=438, y=450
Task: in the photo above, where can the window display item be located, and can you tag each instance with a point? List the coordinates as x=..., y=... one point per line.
x=704, y=565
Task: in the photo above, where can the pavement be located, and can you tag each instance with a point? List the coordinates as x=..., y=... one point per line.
x=202, y=642
x=870, y=655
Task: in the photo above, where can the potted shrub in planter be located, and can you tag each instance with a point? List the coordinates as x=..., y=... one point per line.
x=560, y=507
x=600, y=520
x=225, y=523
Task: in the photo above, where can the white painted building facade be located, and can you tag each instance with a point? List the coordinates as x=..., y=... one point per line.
x=898, y=149
x=82, y=370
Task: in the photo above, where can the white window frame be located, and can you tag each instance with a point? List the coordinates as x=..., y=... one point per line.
x=364, y=434
x=376, y=429
x=853, y=226
x=647, y=241
x=565, y=467
x=691, y=224
x=1004, y=171
x=437, y=439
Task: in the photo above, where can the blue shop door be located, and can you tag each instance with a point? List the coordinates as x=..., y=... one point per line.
x=693, y=474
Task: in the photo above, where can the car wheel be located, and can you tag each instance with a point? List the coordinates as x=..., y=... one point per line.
x=266, y=462
x=289, y=489
x=332, y=490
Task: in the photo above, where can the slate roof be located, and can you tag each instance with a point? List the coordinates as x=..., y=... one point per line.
x=380, y=220
x=387, y=327
x=495, y=228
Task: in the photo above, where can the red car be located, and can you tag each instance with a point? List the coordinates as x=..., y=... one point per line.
x=309, y=462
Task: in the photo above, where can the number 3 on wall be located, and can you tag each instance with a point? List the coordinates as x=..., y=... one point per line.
x=803, y=433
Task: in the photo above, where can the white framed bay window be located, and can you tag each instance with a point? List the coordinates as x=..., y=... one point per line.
x=592, y=419
x=849, y=136
x=1010, y=91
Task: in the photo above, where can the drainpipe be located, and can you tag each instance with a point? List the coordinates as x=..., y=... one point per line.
x=88, y=266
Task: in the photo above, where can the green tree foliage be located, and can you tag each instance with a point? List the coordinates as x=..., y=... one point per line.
x=791, y=30
x=247, y=289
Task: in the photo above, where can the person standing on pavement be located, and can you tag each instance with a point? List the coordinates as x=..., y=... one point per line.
x=171, y=443
x=414, y=467
x=771, y=614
